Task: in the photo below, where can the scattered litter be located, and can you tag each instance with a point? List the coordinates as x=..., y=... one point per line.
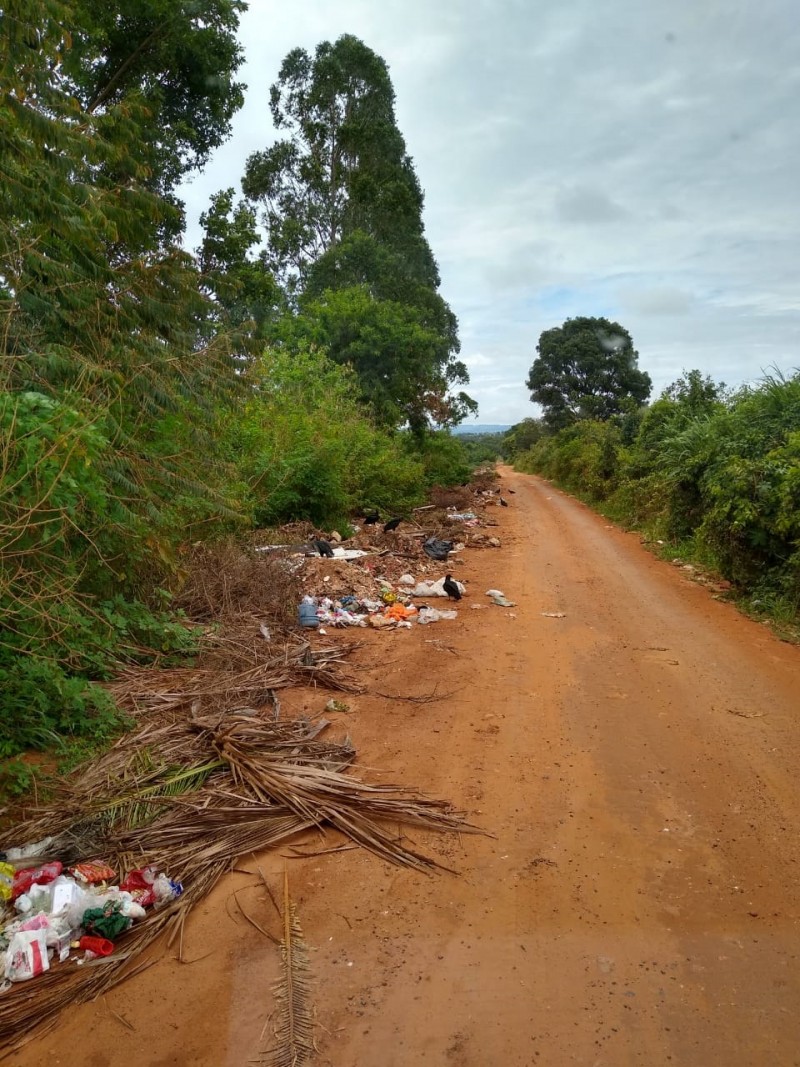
x=482, y=540
x=27, y=955
x=428, y=615
x=337, y=706
x=307, y=612
x=499, y=598
x=37, y=848
x=553, y=615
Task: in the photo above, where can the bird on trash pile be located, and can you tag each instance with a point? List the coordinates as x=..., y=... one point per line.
x=371, y=518
x=324, y=548
x=451, y=588
x=392, y=524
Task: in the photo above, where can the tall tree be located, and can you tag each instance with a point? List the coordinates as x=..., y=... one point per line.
x=587, y=368
x=342, y=207
x=344, y=166
x=247, y=298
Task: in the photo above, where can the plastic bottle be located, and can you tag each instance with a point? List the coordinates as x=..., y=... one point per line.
x=307, y=613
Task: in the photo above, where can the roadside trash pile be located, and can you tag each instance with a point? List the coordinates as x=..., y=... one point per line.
x=392, y=609
x=50, y=914
x=209, y=774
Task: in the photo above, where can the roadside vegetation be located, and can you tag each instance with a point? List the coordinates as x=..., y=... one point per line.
x=709, y=475
x=301, y=364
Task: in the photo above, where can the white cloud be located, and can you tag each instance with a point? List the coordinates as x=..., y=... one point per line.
x=627, y=160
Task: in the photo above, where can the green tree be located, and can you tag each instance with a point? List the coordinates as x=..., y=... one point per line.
x=344, y=166
x=177, y=57
x=306, y=448
x=522, y=436
x=400, y=361
x=342, y=207
x=247, y=298
x=586, y=369
x=110, y=381
x=695, y=393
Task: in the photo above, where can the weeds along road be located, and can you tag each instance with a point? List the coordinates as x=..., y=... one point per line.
x=637, y=762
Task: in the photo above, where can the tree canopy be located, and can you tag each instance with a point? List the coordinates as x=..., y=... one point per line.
x=342, y=209
x=178, y=58
x=343, y=167
x=586, y=368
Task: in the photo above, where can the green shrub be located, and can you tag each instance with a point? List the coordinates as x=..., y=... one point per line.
x=444, y=458
x=43, y=706
x=306, y=448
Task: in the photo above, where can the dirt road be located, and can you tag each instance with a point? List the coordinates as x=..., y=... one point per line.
x=637, y=761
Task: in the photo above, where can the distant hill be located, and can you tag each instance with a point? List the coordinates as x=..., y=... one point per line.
x=480, y=427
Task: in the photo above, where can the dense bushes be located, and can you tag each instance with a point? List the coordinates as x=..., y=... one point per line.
x=306, y=448
x=719, y=472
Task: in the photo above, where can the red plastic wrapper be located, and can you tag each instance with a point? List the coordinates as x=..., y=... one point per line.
x=93, y=872
x=25, y=878
x=139, y=884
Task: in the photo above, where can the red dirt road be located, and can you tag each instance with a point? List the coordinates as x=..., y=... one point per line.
x=637, y=762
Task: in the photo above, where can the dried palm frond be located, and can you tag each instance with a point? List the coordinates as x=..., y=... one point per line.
x=294, y=1025
x=192, y=794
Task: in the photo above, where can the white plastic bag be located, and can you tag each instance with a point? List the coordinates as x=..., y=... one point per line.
x=435, y=588
x=434, y=615
x=27, y=955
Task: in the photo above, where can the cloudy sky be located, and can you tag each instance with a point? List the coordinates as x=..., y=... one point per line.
x=626, y=159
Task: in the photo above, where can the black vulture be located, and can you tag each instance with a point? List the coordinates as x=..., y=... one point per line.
x=392, y=524
x=451, y=588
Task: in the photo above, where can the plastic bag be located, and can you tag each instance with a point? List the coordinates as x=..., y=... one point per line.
x=64, y=895
x=107, y=921
x=166, y=890
x=24, y=879
x=139, y=884
x=435, y=588
x=436, y=548
x=435, y=615
x=27, y=955
x=6, y=881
